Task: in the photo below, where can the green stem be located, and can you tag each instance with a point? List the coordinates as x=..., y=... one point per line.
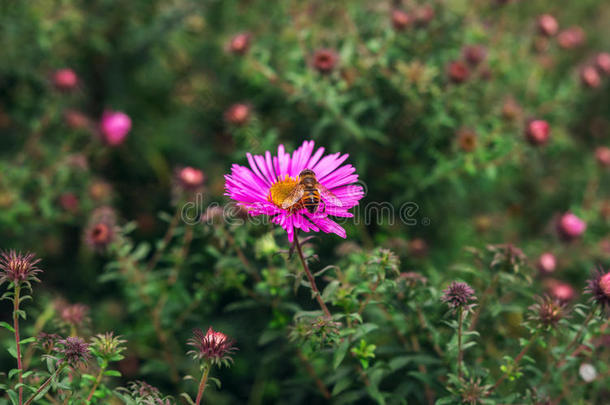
x=204, y=379
x=98, y=379
x=46, y=383
x=460, y=352
x=516, y=361
x=17, y=339
x=312, y=281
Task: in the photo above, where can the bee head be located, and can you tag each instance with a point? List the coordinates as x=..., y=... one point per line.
x=306, y=172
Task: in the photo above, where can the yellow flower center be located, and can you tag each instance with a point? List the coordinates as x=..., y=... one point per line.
x=281, y=190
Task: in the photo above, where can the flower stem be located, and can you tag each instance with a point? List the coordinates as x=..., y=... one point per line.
x=204, y=379
x=516, y=361
x=17, y=339
x=312, y=281
x=460, y=352
x=46, y=383
x=98, y=379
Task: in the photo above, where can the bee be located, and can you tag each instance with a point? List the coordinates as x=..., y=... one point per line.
x=307, y=193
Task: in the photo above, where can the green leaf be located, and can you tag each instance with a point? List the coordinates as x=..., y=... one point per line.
x=7, y=326
x=112, y=373
x=340, y=353
x=28, y=340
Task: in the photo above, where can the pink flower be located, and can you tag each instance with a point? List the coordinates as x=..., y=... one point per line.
x=562, y=291
x=400, y=20
x=537, y=132
x=570, y=226
x=602, y=61
x=240, y=43
x=264, y=187
x=547, y=25
x=590, y=77
x=65, y=79
x=602, y=155
x=547, y=263
x=115, y=126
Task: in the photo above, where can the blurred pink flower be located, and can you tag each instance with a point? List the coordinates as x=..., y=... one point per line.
x=238, y=114
x=570, y=226
x=538, y=132
x=602, y=155
x=400, y=20
x=547, y=25
x=240, y=43
x=590, y=77
x=263, y=188
x=602, y=61
x=325, y=60
x=115, y=126
x=65, y=79
x=562, y=292
x=547, y=263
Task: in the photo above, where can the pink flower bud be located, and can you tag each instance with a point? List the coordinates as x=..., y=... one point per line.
x=115, y=126
x=571, y=38
x=604, y=284
x=562, y=291
x=238, y=114
x=538, y=132
x=589, y=77
x=190, y=178
x=547, y=25
x=69, y=202
x=424, y=14
x=570, y=226
x=547, y=263
x=400, y=20
x=458, y=71
x=325, y=60
x=76, y=119
x=602, y=155
x=240, y=43
x=474, y=54
x=65, y=79
x=602, y=61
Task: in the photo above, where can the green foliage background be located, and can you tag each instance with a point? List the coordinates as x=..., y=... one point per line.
x=389, y=104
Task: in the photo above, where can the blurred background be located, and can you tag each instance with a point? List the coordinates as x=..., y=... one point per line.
x=491, y=116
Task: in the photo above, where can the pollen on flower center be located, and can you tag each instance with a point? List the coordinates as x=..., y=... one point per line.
x=279, y=191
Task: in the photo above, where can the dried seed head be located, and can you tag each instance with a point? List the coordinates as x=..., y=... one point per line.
x=458, y=295
x=599, y=287
x=47, y=341
x=547, y=311
x=73, y=350
x=212, y=346
x=17, y=267
x=75, y=314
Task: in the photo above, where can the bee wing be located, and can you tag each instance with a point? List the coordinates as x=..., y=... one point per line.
x=328, y=196
x=294, y=196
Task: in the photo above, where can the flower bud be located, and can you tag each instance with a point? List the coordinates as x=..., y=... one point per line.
x=590, y=77
x=562, y=292
x=547, y=263
x=115, y=126
x=537, y=132
x=602, y=61
x=325, y=60
x=400, y=20
x=65, y=79
x=238, y=114
x=602, y=155
x=458, y=72
x=570, y=226
x=75, y=119
x=424, y=15
x=474, y=54
x=547, y=25
x=240, y=43
x=571, y=38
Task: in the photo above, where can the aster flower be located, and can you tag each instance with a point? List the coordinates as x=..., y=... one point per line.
x=73, y=350
x=325, y=60
x=599, y=287
x=263, y=188
x=212, y=346
x=458, y=295
x=187, y=182
x=17, y=267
